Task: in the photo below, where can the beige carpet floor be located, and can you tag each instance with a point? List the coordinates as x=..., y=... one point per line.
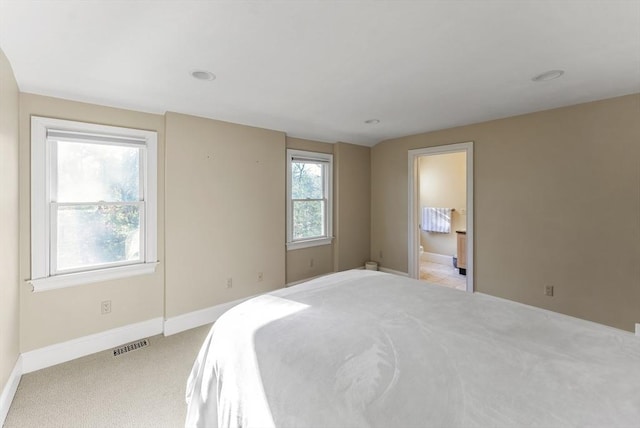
x=142, y=388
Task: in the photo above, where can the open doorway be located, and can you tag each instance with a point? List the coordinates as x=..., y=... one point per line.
x=441, y=215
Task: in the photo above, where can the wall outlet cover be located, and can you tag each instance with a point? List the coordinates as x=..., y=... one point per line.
x=105, y=307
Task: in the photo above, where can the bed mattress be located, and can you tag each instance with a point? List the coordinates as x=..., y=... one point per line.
x=369, y=349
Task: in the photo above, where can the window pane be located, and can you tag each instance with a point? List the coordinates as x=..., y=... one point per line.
x=91, y=235
x=308, y=219
x=98, y=172
x=306, y=180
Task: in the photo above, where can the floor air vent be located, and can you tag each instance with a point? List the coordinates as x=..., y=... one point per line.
x=130, y=347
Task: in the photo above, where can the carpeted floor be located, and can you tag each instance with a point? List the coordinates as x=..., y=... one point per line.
x=142, y=388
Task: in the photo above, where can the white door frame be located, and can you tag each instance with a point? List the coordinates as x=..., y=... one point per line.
x=414, y=233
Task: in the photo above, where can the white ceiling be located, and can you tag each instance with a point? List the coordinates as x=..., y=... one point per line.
x=319, y=69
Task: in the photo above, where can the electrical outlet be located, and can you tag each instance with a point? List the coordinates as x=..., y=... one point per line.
x=310, y=263
x=260, y=276
x=548, y=290
x=229, y=282
x=105, y=307
x=380, y=253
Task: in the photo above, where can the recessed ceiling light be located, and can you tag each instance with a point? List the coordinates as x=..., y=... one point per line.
x=203, y=75
x=548, y=75
x=372, y=121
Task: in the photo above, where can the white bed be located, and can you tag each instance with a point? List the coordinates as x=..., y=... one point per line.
x=368, y=349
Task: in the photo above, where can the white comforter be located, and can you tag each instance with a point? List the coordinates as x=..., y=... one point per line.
x=368, y=349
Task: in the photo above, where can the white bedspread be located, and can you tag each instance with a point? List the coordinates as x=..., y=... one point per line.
x=368, y=349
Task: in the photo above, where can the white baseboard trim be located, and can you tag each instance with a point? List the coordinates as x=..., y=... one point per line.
x=289, y=284
x=395, y=272
x=437, y=258
x=195, y=319
x=82, y=346
x=9, y=390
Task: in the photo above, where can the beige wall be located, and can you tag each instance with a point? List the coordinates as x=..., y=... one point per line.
x=225, y=207
x=351, y=213
x=556, y=202
x=58, y=315
x=442, y=180
x=352, y=206
x=9, y=302
x=225, y=218
x=309, y=262
x=313, y=261
x=309, y=145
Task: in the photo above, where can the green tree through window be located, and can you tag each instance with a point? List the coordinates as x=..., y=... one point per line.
x=93, y=202
x=308, y=198
x=307, y=189
x=98, y=204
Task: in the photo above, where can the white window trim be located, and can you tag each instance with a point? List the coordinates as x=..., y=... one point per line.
x=41, y=280
x=314, y=242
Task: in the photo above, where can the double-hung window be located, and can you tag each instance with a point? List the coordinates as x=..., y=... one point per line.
x=93, y=202
x=309, y=205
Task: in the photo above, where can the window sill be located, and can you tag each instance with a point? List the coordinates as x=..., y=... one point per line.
x=310, y=243
x=88, y=277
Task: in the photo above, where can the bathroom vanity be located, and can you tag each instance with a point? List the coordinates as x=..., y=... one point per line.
x=462, y=251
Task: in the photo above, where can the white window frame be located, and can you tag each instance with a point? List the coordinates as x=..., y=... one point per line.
x=328, y=186
x=42, y=275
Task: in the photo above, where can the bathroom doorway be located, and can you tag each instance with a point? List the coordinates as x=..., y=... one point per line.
x=441, y=215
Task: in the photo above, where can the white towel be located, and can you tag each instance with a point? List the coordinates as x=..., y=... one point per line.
x=436, y=219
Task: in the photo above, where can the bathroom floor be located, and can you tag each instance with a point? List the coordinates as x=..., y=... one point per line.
x=439, y=274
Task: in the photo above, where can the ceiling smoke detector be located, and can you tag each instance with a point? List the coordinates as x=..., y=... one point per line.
x=203, y=75
x=548, y=75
